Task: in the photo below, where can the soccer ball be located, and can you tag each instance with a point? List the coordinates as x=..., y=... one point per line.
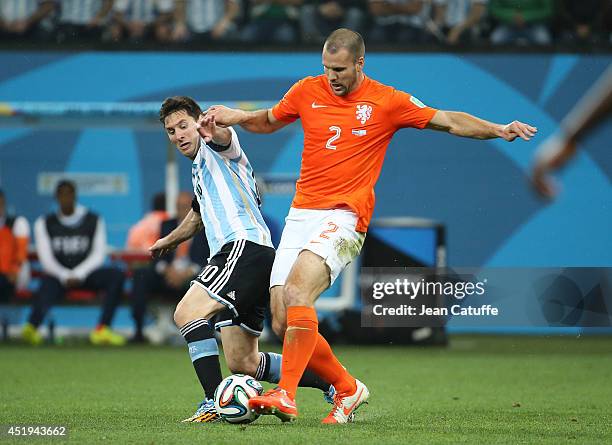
x=232, y=398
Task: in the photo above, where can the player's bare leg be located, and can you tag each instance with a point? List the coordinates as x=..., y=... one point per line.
x=278, y=310
x=241, y=351
x=195, y=304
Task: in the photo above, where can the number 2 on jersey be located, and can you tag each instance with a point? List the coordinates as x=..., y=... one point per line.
x=334, y=138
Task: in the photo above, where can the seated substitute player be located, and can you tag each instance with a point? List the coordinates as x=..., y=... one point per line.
x=71, y=248
x=234, y=283
x=348, y=121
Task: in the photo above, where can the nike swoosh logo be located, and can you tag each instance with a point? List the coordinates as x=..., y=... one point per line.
x=285, y=404
x=315, y=105
x=347, y=411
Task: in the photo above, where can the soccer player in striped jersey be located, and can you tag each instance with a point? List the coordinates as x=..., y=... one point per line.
x=234, y=284
x=348, y=121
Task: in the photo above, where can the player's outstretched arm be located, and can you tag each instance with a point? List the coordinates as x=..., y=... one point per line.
x=259, y=121
x=552, y=155
x=466, y=125
x=191, y=225
x=558, y=149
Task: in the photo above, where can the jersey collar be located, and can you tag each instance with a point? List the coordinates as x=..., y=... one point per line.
x=353, y=95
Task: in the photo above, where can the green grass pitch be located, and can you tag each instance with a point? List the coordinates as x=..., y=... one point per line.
x=479, y=390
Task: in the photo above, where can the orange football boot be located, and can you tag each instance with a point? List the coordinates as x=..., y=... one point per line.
x=276, y=402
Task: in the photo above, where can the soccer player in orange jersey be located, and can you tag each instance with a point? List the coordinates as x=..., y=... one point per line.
x=348, y=121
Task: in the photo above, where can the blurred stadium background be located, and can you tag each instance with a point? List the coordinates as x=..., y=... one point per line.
x=80, y=86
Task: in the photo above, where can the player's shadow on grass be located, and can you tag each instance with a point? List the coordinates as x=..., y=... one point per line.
x=301, y=422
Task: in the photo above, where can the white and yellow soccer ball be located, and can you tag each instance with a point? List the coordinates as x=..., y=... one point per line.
x=232, y=398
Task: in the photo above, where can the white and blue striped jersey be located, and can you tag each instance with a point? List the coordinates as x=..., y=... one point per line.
x=225, y=187
x=79, y=12
x=203, y=15
x=12, y=10
x=145, y=11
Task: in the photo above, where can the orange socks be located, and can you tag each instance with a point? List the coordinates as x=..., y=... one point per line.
x=324, y=363
x=304, y=346
x=300, y=340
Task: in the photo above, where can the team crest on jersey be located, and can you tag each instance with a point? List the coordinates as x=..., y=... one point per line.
x=363, y=113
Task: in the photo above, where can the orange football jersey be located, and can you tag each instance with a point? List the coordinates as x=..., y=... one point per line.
x=345, y=140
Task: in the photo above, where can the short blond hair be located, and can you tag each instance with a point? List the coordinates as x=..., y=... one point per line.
x=344, y=38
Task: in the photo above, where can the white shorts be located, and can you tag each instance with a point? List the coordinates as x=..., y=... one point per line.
x=329, y=233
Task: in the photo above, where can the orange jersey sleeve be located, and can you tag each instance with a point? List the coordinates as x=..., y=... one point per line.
x=287, y=109
x=408, y=111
